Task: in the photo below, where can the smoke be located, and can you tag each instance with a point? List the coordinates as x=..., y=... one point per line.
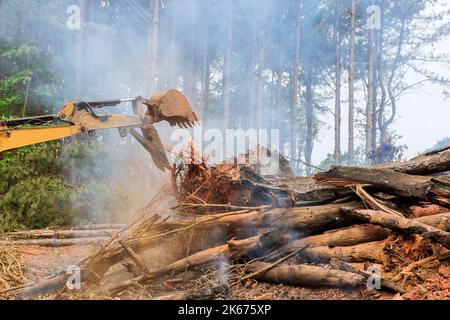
x=99, y=50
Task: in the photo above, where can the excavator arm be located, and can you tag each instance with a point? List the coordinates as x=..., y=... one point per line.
x=77, y=117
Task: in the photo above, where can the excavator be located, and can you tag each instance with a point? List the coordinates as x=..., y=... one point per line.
x=79, y=116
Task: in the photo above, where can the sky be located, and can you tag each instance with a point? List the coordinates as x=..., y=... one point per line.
x=423, y=116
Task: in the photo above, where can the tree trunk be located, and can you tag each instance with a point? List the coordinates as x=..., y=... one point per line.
x=305, y=275
x=381, y=116
x=370, y=96
x=279, y=91
x=153, y=46
x=173, y=71
x=337, y=101
x=404, y=225
x=79, y=50
x=206, y=71
x=227, y=65
x=351, y=101
x=401, y=184
x=421, y=165
x=295, y=85
x=261, y=62
x=309, y=120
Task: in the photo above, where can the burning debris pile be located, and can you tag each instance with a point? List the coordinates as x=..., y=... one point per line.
x=383, y=227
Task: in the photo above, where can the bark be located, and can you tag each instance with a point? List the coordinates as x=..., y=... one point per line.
x=251, y=122
x=309, y=119
x=79, y=51
x=295, y=85
x=337, y=100
x=381, y=116
x=43, y=287
x=278, y=97
x=305, y=221
x=397, y=183
x=421, y=165
x=173, y=71
x=103, y=226
x=370, y=251
x=385, y=283
x=59, y=234
x=394, y=67
x=261, y=63
x=306, y=275
x=370, y=95
x=203, y=294
x=404, y=225
x=343, y=237
x=233, y=249
x=439, y=221
x=153, y=46
x=206, y=70
x=227, y=65
x=56, y=242
x=351, y=101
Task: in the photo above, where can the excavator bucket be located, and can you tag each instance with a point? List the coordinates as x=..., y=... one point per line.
x=173, y=107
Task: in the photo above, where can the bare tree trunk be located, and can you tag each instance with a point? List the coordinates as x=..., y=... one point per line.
x=351, y=101
x=206, y=70
x=261, y=58
x=309, y=119
x=227, y=66
x=153, y=46
x=251, y=80
x=295, y=85
x=173, y=71
x=370, y=95
x=381, y=116
x=337, y=101
x=392, y=97
x=79, y=52
x=278, y=98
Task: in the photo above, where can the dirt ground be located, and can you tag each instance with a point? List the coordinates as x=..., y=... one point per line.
x=432, y=283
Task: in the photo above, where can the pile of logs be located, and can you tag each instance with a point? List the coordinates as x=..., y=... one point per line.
x=330, y=231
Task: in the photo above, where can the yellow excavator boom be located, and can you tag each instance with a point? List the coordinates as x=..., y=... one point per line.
x=77, y=117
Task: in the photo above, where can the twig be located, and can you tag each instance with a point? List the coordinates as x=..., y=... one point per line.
x=409, y=268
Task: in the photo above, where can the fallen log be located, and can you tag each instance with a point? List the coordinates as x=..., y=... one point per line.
x=203, y=294
x=342, y=237
x=55, y=242
x=385, y=283
x=363, y=252
x=363, y=233
x=403, y=225
x=233, y=249
x=304, y=221
x=400, y=184
x=305, y=275
x=422, y=165
x=100, y=226
x=439, y=221
x=43, y=287
x=58, y=234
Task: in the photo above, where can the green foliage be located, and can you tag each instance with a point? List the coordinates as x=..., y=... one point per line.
x=26, y=71
x=359, y=160
x=35, y=203
x=53, y=184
